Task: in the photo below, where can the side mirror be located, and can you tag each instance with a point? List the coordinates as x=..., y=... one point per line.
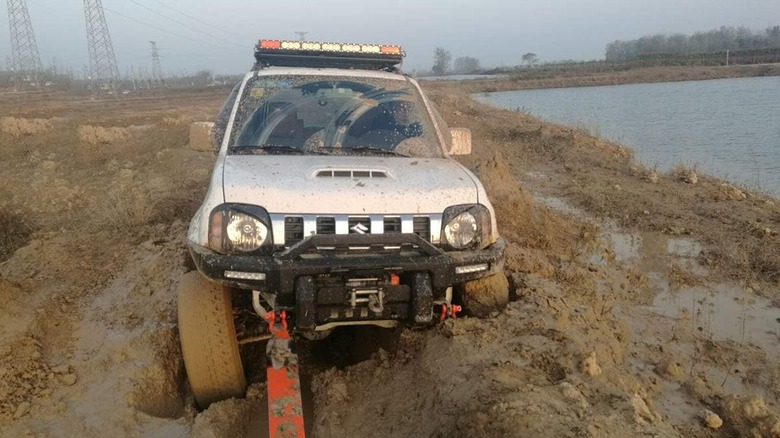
x=200, y=137
x=461, y=141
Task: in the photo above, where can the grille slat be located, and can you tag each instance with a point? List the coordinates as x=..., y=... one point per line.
x=326, y=225
x=293, y=230
x=392, y=225
x=422, y=227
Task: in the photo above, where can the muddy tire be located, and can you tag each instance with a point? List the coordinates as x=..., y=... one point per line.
x=486, y=295
x=208, y=340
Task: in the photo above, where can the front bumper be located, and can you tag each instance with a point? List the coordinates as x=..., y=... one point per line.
x=329, y=260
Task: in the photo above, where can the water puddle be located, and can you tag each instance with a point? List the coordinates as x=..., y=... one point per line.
x=560, y=205
x=722, y=312
x=683, y=247
x=626, y=247
x=717, y=311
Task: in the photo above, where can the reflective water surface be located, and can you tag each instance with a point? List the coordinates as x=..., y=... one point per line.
x=729, y=128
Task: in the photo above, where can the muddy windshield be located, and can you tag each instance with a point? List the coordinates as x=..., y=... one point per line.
x=317, y=115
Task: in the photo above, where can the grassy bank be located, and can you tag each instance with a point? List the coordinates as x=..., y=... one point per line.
x=562, y=78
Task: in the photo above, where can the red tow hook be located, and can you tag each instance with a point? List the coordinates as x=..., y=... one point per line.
x=449, y=310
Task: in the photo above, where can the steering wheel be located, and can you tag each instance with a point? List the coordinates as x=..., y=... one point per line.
x=277, y=117
x=337, y=128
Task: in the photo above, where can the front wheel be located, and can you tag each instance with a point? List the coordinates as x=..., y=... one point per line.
x=208, y=340
x=486, y=295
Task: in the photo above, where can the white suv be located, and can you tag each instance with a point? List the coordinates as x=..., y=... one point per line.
x=333, y=198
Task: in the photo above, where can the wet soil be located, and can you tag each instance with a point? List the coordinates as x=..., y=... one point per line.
x=643, y=305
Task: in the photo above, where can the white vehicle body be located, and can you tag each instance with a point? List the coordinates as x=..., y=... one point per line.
x=333, y=202
x=307, y=186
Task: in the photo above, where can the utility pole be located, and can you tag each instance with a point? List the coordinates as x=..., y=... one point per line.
x=102, y=62
x=301, y=35
x=25, y=59
x=157, y=73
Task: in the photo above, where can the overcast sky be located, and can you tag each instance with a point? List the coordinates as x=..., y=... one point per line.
x=197, y=35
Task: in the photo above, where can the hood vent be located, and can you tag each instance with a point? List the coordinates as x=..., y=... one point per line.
x=346, y=173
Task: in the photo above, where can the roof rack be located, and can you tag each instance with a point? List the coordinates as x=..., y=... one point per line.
x=327, y=55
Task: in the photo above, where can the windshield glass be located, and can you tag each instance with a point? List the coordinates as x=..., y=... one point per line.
x=314, y=115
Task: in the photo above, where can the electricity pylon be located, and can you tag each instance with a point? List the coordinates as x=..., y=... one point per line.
x=103, y=72
x=157, y=73
x=25, y=59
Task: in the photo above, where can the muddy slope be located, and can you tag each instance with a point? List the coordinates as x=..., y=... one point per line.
x=624, y=323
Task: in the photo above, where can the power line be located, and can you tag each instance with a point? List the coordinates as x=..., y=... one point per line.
x=184, y=24
x=184, y=14
x=160, y=29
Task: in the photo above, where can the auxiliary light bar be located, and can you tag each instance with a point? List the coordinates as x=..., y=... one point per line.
x=315, y=54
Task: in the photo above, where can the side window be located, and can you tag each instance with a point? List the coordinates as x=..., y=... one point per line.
x=220, y=123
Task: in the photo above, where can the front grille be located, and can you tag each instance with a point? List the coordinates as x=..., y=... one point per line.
x=293, y=230
x=392, y=225
x=289, y=230
x=326, y=225
x=422, y=227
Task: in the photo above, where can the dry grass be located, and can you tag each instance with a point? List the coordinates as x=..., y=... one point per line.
x=535, y=79
x=15, y=232
x=122, y=180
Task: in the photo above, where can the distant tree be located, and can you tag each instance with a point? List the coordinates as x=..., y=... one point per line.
x=716, y=40
x=530, y=59
x=465, y=64
x=441, y=61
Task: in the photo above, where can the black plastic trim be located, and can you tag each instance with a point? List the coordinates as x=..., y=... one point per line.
x=305, y=259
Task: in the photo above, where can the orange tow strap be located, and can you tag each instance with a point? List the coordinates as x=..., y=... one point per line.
x=285, y=408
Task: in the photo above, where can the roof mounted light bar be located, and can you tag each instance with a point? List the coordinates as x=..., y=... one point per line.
x=327, y=55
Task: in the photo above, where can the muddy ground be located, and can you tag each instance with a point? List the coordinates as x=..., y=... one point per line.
x=644, y=303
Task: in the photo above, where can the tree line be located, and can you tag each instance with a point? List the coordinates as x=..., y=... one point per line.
x=716, y=40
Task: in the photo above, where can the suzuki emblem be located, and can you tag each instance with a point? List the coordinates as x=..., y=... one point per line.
x=360, y=228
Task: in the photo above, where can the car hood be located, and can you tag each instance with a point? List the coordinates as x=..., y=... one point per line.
x=347, y=185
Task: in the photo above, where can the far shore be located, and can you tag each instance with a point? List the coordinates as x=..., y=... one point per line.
x=570, y=79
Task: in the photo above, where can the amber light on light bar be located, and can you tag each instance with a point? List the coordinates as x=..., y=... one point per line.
x=270, y=44
x=390, y=50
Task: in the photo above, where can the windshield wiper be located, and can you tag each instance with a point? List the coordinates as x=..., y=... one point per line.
x=376, y=149
x=276, y=148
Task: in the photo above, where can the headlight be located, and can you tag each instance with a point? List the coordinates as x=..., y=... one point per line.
x=240, y=228
x=461, y=231
x=466, y=227
x=246, y=233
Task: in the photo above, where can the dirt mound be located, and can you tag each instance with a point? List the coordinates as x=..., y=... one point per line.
x=18, y=127
x=200, y=136
x=98, y=135
x=750, y=417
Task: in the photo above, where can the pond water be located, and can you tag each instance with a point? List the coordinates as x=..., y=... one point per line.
x=728, y=128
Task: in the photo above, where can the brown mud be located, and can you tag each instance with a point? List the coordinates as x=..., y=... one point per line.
x=643, y=305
